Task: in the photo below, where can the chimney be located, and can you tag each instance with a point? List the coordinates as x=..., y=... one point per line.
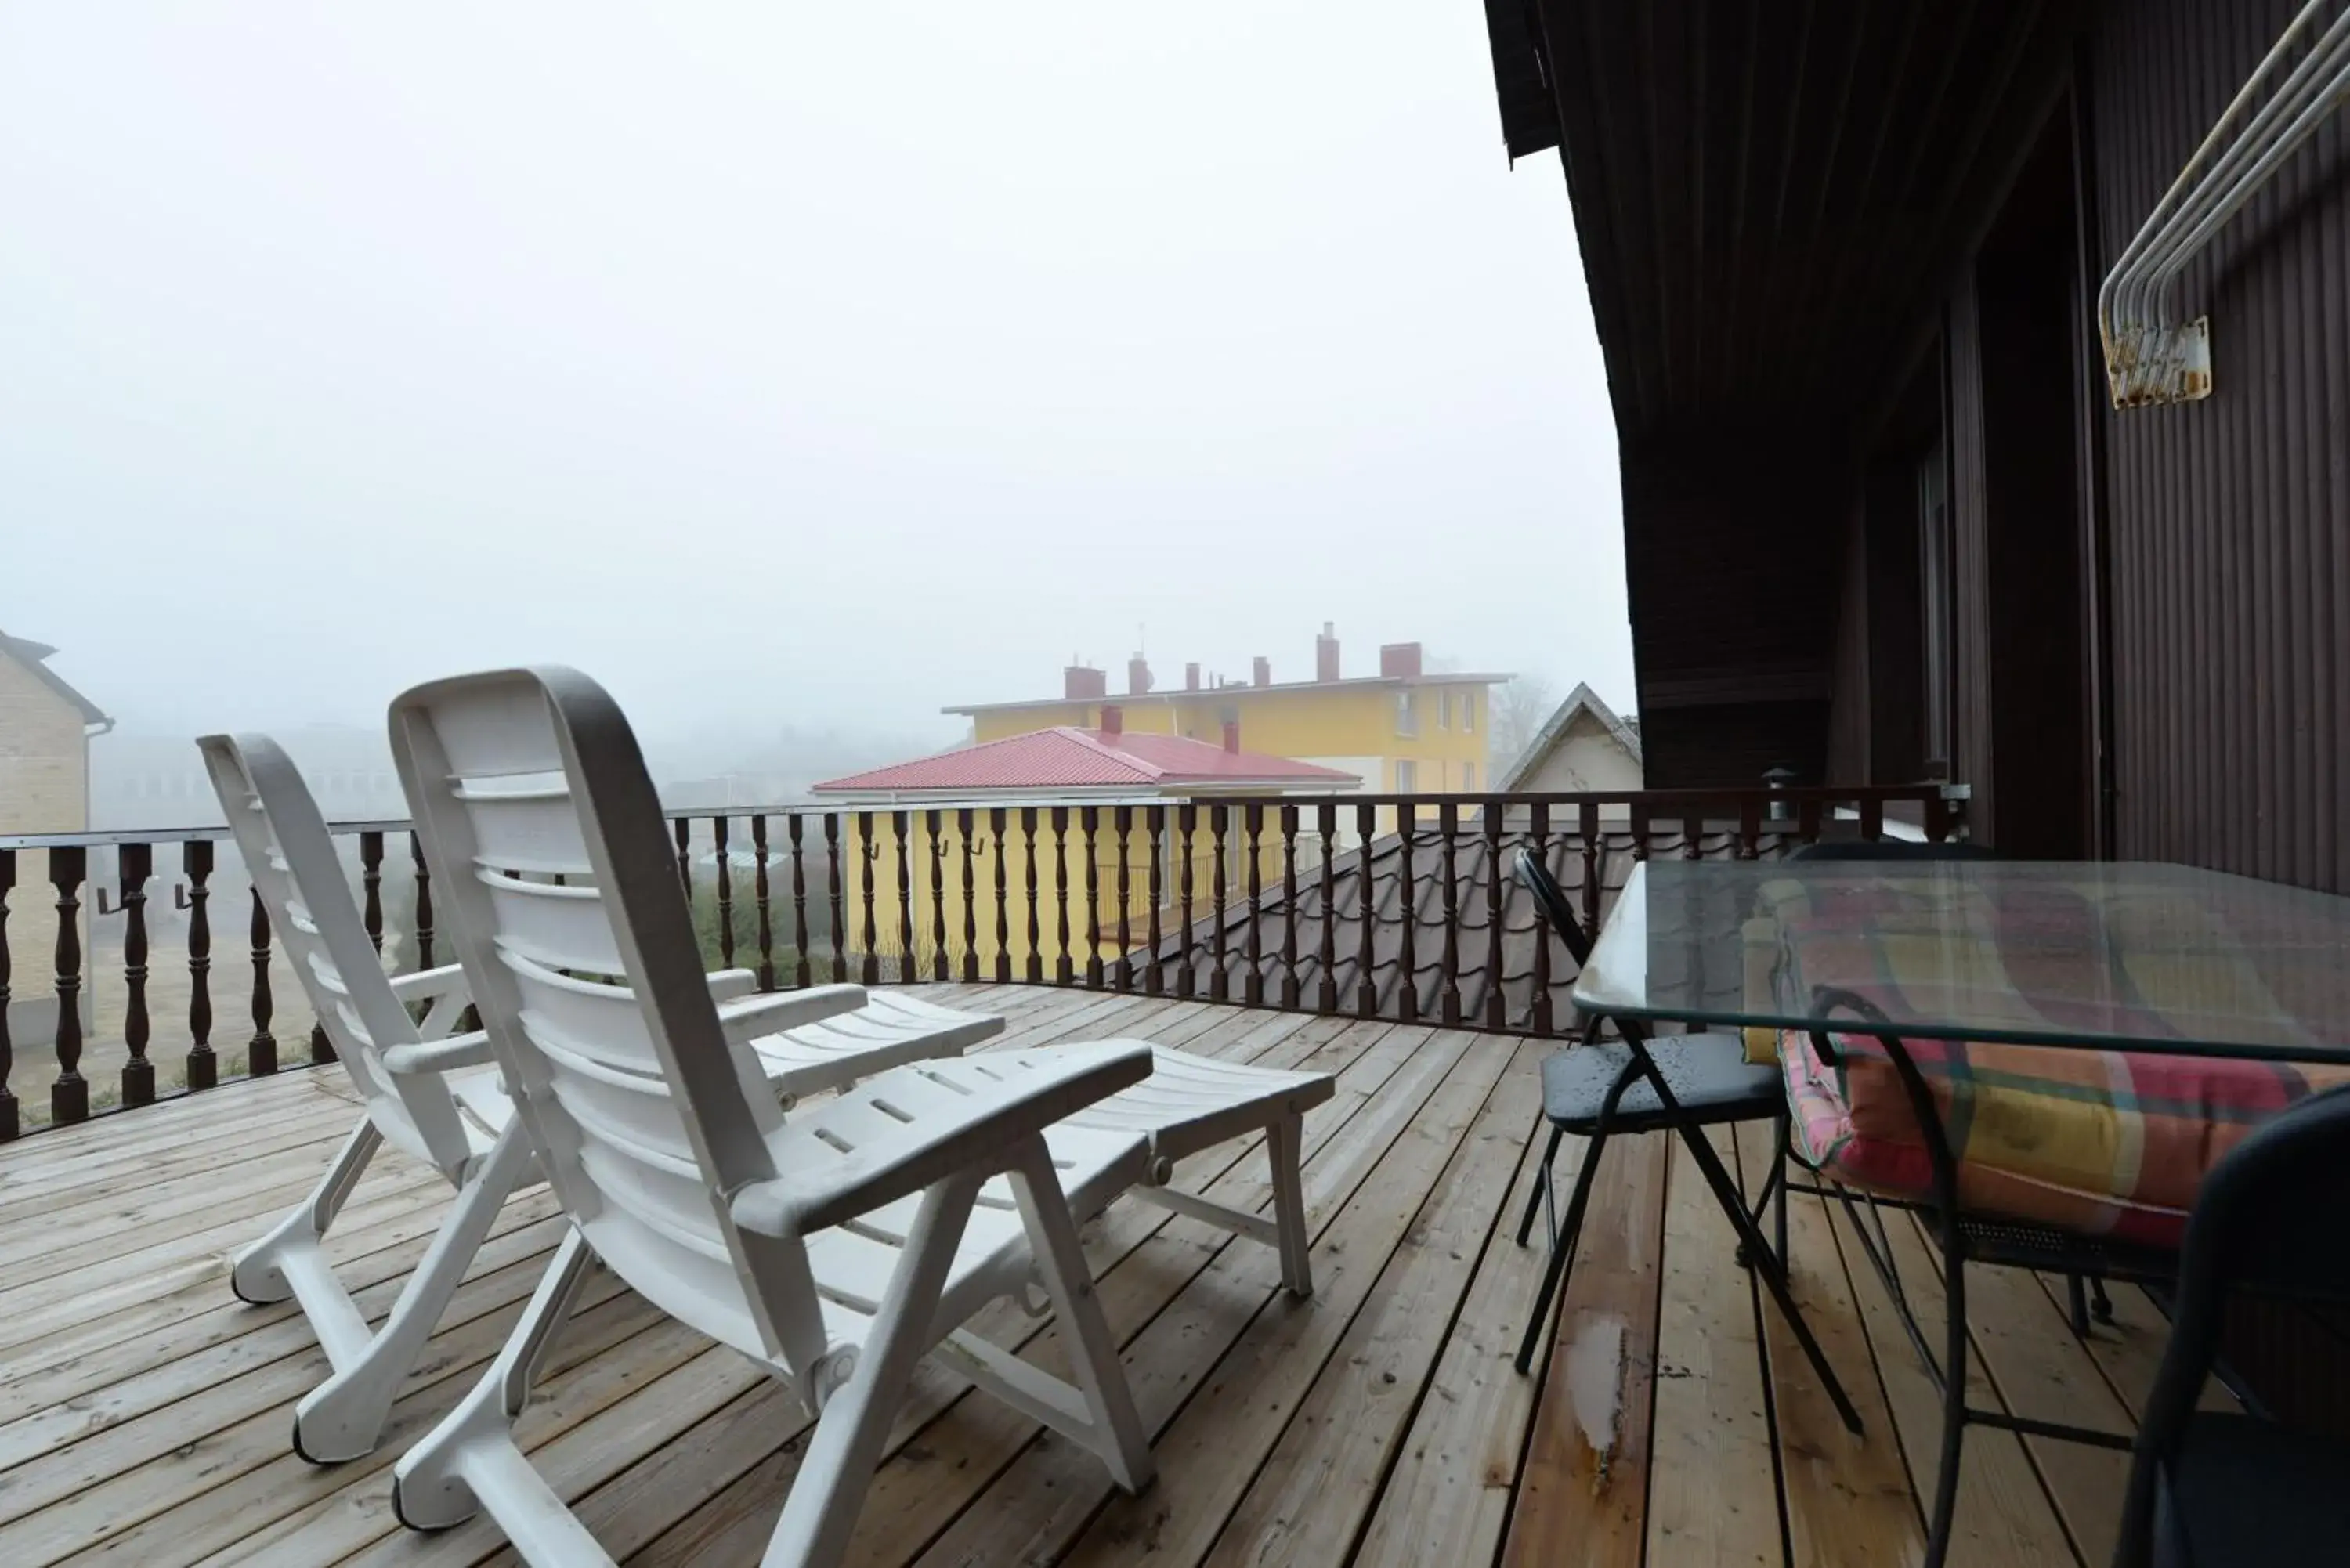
x=1083, y=682
x=1398, y=658
x=1138, y=676
x=1261, y=672
x=1113, y=722
x=1232, y=736
x=1325, y=653
x=1191, y=678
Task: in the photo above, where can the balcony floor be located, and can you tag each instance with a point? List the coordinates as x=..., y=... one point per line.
x=144, y=1413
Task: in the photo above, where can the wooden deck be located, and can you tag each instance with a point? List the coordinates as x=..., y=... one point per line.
x=144, y=1413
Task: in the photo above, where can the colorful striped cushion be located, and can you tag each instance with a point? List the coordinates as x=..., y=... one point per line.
x=2110, y=1143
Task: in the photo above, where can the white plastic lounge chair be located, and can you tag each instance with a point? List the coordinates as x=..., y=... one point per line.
x=834, y=1248
x=443, y=1100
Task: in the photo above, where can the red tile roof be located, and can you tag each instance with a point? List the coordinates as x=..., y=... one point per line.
x=1068, y=758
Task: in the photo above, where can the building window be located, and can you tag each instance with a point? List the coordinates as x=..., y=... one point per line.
x=1407, y=714
x=1407, y=775
x=1469, y=712
x=1444, y=708
x=1468, y=778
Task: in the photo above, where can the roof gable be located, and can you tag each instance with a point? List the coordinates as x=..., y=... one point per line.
x=34, y=657
x=1581, y=702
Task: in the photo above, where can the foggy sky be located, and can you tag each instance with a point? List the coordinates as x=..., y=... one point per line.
x=830, y=362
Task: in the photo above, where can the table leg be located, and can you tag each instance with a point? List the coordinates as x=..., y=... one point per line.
x=1767, y=1263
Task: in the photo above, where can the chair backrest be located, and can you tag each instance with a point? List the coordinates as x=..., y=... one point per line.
x=2269, y=1218
x=1555, y=907
x=541, y=828
x=1893, y=849
x=288, y=852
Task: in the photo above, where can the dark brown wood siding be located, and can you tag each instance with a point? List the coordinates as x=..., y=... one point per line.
x=2229, y=519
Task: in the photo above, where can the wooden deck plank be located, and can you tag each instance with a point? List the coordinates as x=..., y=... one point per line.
x=1312, y=1497
x=1234, y=1355
x=1713, y=1493
x=1447, y=1498
x=2004, y=1516
x=910, y=1501
x=1583, y=1490
x=2040, y=1371
x=143, y=1412
x=1848, y=1502
x=630, y=1503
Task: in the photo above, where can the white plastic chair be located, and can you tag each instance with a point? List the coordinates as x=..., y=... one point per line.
x=443, y=1100
x=835, y=1249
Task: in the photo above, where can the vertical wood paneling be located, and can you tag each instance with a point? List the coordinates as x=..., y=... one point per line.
x=2229, y=543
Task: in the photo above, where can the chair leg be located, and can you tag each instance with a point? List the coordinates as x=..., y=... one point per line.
x=1541, y=1183
x=1561, y=1254
x=1116, y=1434
x=2076, y=1304
x=1284, y=1144
x=1779, y=1174
x=470, y=1459
x=820, y=1513
x=343, y=1417
x=257, y=1275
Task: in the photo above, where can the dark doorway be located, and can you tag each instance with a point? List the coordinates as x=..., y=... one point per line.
x=2026, y=305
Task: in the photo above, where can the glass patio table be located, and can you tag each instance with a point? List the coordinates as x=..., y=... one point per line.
x=2106, y=956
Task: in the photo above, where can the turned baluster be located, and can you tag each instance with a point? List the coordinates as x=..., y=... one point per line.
x=681, y=831
x=1692, y=836
x=1252, y=983
x=901, y=828
x=995, y=826
x=867, y=850
x=1750, y=828
x=1219, y=983
x=1125, y=826
x=1061, y=967
x=1366, y=980
x=1034, y=966
x=261, y=1053
x=196, y=861
x=1407, y=948
x=833, y=895
x=69, y=1096
x=725, y=879
x=1327, y=819
x=803, y=969
x=1448, y=825
x=371, y=886
x=10, y=1124
x=1289, y=906
x=423, y=904
x=135, y=864
x=1497, y=1008
x=1540, y=827
x=965, y=820
x=1186, y=823
x=761, y=895
x=1156, y=882
x=939, y=971
x=1091, y=817
x=1586, y=827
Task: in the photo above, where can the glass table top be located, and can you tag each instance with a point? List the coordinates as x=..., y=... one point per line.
x=2129, y=954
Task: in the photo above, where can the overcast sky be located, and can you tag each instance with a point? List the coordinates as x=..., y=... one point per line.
x=824, y=363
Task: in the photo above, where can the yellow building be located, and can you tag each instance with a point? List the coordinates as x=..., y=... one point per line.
x=1040, y=853
x=1404, y=730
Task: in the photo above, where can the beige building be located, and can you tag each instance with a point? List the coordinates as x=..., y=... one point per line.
x=45, y=730
x=1582, y=746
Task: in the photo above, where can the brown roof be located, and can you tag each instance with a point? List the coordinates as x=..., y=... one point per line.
x=1485, y=971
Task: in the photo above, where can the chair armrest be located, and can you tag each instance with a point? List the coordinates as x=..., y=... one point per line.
x=745, y=1019
x=439, y=1056
x=726, y=984
x=977, y=1133
x=428, y=984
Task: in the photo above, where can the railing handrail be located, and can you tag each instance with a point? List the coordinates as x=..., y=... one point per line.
x=1663, y=800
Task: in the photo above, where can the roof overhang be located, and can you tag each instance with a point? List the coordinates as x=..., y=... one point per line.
x=1235, y=693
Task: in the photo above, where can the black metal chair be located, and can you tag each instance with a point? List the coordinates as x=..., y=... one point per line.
x=1594, y=1090
x=2208, y=1490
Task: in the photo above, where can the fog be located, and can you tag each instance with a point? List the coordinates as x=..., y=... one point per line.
x=800, y=367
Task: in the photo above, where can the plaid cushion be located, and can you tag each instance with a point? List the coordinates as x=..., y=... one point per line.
x=2102, y=1142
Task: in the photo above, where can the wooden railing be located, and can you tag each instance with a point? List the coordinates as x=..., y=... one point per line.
x=1373, y=905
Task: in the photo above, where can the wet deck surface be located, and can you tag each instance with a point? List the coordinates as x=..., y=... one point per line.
x=145, y=1413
